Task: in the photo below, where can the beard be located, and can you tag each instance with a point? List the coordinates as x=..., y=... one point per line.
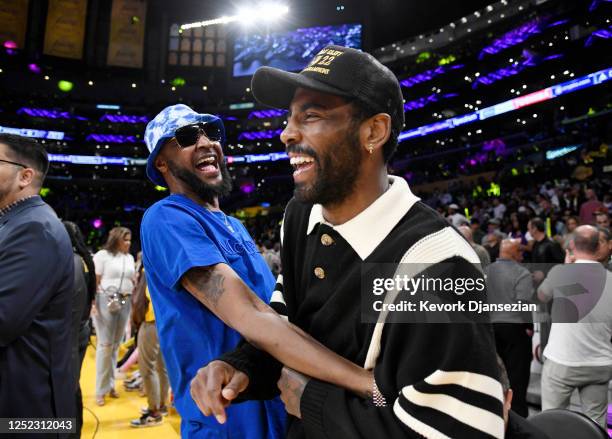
x=336, y=171
x=205, y=191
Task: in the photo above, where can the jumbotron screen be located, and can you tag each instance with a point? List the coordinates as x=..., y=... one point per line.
x=290, y=50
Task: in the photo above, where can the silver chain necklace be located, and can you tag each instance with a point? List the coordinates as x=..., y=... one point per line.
x=227, y=223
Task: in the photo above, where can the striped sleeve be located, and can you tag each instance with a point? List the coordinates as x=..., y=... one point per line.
x=452, y=404
x=277, y=301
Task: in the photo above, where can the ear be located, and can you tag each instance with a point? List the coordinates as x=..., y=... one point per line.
x=375, y=131
x=161, y=164
x=508, y=398
x=27, y=176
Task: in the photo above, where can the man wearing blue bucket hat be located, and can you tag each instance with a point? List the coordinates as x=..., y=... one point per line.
x=187, y=230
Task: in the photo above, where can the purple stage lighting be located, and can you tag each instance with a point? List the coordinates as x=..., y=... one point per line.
x=606, y=34
x=519, y=35
x=111, y=138
x=426, y=100
x=247, y=188
x=266, y=114
x=34, y=68
x=48, y=114
x=530, y=60
x=259, y=135
x=124, y=118
x=97, y=223
x=428, y=75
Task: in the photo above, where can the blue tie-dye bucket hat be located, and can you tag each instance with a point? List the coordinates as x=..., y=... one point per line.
x=162, y=128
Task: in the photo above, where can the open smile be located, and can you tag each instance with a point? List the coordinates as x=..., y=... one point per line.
x=208, y=165
x=302, y=165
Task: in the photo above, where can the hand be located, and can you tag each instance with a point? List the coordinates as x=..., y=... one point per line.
x=215, y=386
x=569, y=257
x=292, y=385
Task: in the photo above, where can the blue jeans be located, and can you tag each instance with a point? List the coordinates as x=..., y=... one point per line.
x=109, y=332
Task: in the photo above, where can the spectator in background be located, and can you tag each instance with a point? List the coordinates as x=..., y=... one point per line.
x=482, y=252
x=115, y=270
x=271, y=257
x=579, y=355
x=602, y=218
x=499, y=209
x=477, y=233
x=150, y=361
x=454, y=217
x=494, y=226
x=491, y=244
x=589, y=207
x=36, y=290
x=570, y=225
x=84, y=295
x=605, y=247
x=543, y=249
x=510, y=283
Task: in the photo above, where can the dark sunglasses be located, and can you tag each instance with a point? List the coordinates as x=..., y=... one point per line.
x=188, y=135
x=14, y=163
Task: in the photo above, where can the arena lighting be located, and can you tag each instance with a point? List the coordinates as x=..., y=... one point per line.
x=130, y=161
x=96, y=160
x=111, y=138
x=426, y=100
x=124, y=118
x=48, y=114
x=605, y=34
x=108, y=107
x=242, y=106
x=529, y=60
x=28, y=132
x=257, y=158
x=258, y=135
x=253, y=14
x=266, y=114
x=428, y=75
x=560, y=152
x=65, y=86
x=542, y=95
x=518, y=35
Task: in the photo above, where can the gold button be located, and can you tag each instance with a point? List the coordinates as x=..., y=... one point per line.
x=319, y=272
x=326, y=239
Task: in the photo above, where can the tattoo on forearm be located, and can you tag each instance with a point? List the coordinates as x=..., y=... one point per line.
x=208, y=285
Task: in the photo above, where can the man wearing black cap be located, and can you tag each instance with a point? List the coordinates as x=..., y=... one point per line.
x=345, y=114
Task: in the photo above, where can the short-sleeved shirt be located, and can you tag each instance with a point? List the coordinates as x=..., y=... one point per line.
x=117, y=270
x=177, y=234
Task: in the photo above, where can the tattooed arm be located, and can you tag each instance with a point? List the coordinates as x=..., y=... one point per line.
x=222, y=291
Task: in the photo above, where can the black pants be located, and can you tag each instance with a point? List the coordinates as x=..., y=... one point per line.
x=514, y=347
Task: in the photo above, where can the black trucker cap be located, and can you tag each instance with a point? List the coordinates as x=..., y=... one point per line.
x=339, y=71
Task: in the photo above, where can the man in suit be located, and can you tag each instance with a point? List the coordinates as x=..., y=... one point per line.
x=37, y=276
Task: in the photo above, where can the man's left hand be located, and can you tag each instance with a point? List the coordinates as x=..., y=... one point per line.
x=292, y=385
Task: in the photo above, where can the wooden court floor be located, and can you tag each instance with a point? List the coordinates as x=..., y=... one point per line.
x=112, y=421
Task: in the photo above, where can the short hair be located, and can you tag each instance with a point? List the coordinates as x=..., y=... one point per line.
x=539, y=224
x=29, y=151
x=586, y=239
x=114, y=237
x=363, y=111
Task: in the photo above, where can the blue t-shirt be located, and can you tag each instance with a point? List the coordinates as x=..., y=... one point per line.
x=178, y=234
